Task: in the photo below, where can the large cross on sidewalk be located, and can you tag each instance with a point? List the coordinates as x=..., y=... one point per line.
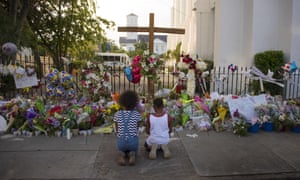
x=151, y=30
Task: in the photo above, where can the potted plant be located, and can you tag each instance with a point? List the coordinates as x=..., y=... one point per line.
x=296, y=127
x=240, y=126
x=282, y=123
x=267, y=114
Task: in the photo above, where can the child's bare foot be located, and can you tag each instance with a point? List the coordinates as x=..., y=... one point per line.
x=121, y=158
x=152, y=154
x=131, y=158
x=166, y=151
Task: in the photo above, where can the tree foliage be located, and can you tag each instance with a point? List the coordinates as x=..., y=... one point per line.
x=64, y=28
x=140, y=48
x=13, y=22
x=67, y=28
x=174, y=54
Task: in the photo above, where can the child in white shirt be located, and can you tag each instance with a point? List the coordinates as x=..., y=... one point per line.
x=158, y=126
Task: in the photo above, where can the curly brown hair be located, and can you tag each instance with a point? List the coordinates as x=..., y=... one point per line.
x=128, y=99
x=158, y=103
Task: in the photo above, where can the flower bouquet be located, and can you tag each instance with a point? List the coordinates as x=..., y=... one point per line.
x=95, y=81
x=220, y=114
x=266, y=114
x=240, y=126
x=110, y=111
x=151, y=66
x=191, y=70
x=146, y=65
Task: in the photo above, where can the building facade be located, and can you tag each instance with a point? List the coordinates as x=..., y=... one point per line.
x=128, y=42
x=233, y=31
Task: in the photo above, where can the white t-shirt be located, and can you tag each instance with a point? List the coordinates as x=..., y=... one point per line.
x=159, y=130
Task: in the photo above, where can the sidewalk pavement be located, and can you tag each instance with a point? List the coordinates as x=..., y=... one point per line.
x=195, y=155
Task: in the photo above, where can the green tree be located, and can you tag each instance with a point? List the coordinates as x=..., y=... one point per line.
x=173, y=54
x=140, y=48
x=67, y=28
x=13, y=22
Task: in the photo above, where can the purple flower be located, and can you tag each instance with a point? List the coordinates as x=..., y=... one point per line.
x=30, y=114
x=56, y=123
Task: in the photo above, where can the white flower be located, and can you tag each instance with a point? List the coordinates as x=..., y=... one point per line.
x=146, y=69
x=181, y=65
x=181, y=75
x=200, y=65
x=101, y=68
x=143, y=65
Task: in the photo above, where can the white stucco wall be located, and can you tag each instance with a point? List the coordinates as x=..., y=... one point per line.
x=272, y=25
x=204, y=29
x=242, y=28
x=232, y=32
x=295, y=33
x=181, y=15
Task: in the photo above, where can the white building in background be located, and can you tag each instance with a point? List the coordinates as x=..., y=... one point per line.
x=159, y=44
x=233, y=31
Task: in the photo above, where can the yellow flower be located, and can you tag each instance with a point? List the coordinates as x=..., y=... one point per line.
x=108, y=111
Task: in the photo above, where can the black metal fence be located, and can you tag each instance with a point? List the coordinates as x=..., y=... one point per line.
x=221, y=79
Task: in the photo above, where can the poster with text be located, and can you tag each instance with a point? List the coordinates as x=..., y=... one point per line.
x=25, y=81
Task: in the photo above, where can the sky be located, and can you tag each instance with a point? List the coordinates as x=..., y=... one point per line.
x=117, y=10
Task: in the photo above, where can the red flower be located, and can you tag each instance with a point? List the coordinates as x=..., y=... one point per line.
x=236, y=113
x=56, y=109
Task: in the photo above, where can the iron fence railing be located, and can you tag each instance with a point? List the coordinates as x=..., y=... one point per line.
x=220, y=79
x=292, y=86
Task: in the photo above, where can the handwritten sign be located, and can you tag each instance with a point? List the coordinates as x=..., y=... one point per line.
x=25, y=81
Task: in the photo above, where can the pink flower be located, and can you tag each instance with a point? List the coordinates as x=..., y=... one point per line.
x=136, y=78
x=236, y=113
x=152, y=60
x=136, y=60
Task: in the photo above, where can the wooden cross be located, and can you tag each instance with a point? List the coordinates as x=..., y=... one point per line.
x=151, y=29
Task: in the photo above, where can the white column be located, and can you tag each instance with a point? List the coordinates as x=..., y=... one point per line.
x=233, y=32
x=295, y=36
x=272, y=22
x=204, y=29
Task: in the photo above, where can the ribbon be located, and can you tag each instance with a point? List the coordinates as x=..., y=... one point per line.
x=263, y=77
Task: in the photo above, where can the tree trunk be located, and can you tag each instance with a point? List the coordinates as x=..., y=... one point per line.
x=22, y=20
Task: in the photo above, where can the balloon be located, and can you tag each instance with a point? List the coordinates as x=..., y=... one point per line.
x=293, y=67
x=9, y=48
x=128, y=73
